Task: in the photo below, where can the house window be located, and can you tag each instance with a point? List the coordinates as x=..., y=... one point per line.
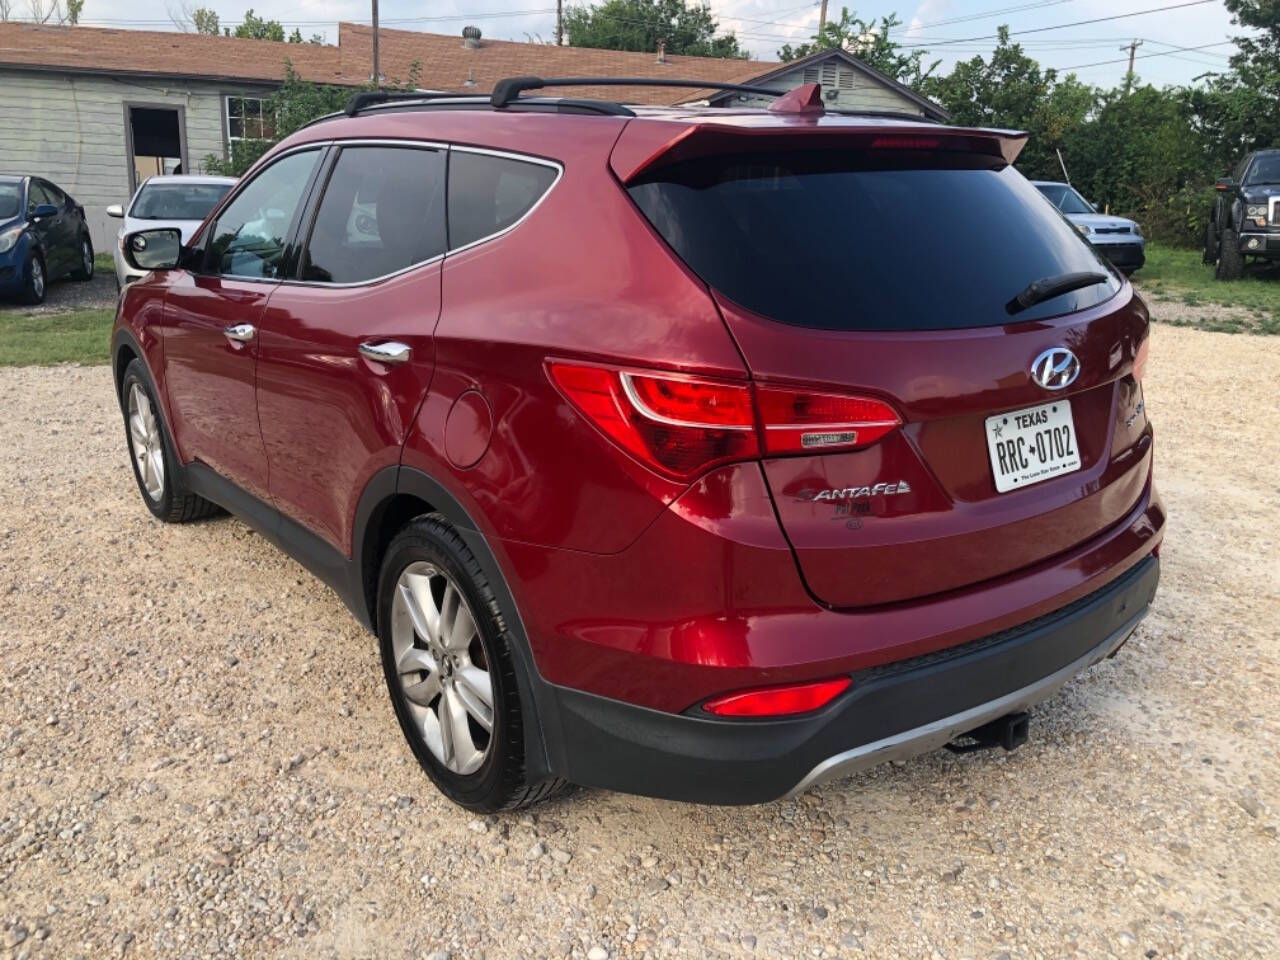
x=249, y=118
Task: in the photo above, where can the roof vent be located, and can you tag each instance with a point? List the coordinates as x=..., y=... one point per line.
x=662, y=50
x=471, y=37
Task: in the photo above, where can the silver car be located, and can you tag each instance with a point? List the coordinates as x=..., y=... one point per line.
x=1118, y=239
x=170, y=201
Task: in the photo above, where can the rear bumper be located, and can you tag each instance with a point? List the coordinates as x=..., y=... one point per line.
x=892, y=711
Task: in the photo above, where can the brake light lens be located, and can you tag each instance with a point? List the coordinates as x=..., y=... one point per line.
x=676, y=425
x=778, y=701
x=797, y=420
x=1140, y=359
x=681, y=425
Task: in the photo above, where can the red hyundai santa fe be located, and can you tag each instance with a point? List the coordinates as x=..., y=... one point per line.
x=700, y=453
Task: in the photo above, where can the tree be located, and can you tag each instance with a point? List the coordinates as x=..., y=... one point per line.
x=205, y=21
x=254, y=27
x=867, y=40
x=1256, y=66
x=296, y=37
x=640, y=24
x=1010, y=90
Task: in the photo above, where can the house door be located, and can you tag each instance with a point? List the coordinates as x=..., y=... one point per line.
x=157, y=141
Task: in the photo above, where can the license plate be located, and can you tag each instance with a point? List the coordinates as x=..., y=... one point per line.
x=1032, y=445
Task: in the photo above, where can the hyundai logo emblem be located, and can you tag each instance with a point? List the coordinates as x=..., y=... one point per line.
x=1055, y=369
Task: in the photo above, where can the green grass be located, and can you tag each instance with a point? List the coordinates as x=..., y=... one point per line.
x=104, y=263
x=1178, y=275
x=77, y=336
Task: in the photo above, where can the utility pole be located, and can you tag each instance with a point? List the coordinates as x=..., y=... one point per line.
x=822, y=19
x=1128, y=77
x=559, y=22
x=377, y=73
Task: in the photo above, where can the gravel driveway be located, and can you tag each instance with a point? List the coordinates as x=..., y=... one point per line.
x=63, y=295
x=198, y=758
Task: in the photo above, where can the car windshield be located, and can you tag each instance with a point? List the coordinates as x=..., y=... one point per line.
x=1265, y=169
x=1064, y=198
x=177, y=201
x=848, y=241
x=10, y=194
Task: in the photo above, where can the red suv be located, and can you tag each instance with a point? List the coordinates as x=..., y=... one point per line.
x=698, y=453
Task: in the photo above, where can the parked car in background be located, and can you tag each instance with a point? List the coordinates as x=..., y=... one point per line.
x=639, y=485
x=169, y=201
x=1245, y=219
x=1118, y=239
x=43, y=237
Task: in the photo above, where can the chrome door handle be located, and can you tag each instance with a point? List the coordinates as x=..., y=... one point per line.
x=240, y=332
x=389, y=351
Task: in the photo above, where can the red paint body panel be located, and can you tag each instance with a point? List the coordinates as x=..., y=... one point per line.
x=331, y=418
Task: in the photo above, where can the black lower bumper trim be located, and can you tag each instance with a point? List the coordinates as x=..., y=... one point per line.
x=889, y=712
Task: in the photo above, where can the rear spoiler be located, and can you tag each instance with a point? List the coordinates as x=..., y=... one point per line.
x=655, y=142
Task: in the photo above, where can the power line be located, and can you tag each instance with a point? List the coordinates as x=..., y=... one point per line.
x=1063, y=26
x=995, y=13
x=1163, y=53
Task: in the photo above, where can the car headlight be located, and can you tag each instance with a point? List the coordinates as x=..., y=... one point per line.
x=1256, y=210
x=1084, y=228
x=9, y=239
x=1137, y=230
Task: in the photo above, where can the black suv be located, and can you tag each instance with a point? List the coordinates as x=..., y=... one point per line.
x=1245, y=221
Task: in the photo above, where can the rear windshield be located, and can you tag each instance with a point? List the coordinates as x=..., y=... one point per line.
x=840, y=242
x=177, y=201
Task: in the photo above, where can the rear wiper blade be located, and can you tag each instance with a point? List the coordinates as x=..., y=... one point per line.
x=1051, y=287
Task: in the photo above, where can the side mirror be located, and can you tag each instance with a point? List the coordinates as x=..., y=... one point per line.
x=1223, y=183
x=115, y=210
x=44, y=210
x=158, y=249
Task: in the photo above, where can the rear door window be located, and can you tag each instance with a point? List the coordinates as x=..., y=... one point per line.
x=382, y=212
x=489, y=194
x=855, y=241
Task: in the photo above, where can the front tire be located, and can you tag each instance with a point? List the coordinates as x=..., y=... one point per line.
x=1230, y=264
x=151, y=454
x=1210, y=244
x=35, y=280
x=448, y=665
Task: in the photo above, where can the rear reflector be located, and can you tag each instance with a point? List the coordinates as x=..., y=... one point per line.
x=778, y=701
x=681, y=425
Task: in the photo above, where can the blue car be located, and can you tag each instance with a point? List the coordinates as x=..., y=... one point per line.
x=43, y=237
x=1118, y=239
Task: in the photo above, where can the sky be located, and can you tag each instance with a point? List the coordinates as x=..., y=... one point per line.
x=763, y=26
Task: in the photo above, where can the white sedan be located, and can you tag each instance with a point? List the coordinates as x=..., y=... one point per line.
x=169, y=201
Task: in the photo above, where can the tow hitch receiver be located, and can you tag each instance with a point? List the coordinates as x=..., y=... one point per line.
x=1009, y=731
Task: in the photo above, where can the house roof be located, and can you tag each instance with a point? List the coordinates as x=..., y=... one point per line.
x=169, y=53
x=446, y=63
x=930, y=108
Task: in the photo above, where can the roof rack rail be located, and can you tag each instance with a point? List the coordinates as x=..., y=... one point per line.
x=368, y=98
x=507, y=91
x=886, y=114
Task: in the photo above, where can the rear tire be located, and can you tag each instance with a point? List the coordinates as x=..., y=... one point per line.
x=35, y=281
x=151, y=453
x=84, y=271
x=444, y=642
x=1230, y=263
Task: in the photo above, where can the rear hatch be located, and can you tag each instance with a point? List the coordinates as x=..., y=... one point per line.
x=887, y=265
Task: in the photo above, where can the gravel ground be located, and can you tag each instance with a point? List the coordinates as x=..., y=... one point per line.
x=63, y=295
x=197, y=755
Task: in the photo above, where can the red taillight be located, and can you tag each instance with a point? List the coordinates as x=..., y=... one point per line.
x=797, y=420
x=897, y=142
x=681, y=425
x=677, y=425
x=1140, y=359
x=778, y=701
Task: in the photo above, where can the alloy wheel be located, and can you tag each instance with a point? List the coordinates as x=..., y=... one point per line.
x=145, y=439
x=442, y=667
x=86, y=258
x=37, y=277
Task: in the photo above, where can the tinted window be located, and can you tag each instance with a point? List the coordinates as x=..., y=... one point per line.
x=488, y=194
x=10, y=198
x=248, y=239
x=38, y=193
x=177, y=201
x=382, y=211
x=1265, y=169
x=839, y=241
x=1064, y=198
